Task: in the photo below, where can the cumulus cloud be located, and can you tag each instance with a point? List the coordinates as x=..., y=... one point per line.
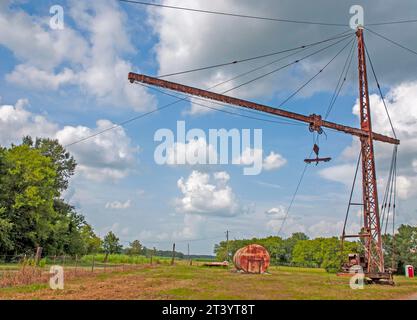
x=96, y=66
x=274, y=161
x=251, y=156
x=277, y=213
x=206, y=194
x=109, y=155
x=118, y=205
x=16, y=122
x=399, y=101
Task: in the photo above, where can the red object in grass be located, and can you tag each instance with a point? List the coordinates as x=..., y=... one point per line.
x=252, y=259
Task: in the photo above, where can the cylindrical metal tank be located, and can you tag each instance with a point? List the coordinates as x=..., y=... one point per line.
x=252, y=259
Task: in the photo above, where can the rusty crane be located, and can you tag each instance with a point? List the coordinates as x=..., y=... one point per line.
x=371, y=233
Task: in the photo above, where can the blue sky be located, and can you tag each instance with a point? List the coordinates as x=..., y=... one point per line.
x=70, y=83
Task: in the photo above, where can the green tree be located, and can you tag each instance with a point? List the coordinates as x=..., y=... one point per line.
x=401, y=250
x=63, y=162
x=92, y=243
x=32, y=213
x=111, y=244
x=27, y=196
x=135, y=248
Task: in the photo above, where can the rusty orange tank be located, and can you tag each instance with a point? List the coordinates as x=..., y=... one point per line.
x=252, y=259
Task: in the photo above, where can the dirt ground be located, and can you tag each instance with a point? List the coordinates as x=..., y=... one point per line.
x=195, y=282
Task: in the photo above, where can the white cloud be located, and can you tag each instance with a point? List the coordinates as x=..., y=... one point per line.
x=109, y=155
x=277, y=213
x=96, y=65
x=404, y=117
x=251, y=156
x=118, y=205
x=340, y=173
x=206, y=194
x=16, y=122
x=274, y=161
x=33, y=77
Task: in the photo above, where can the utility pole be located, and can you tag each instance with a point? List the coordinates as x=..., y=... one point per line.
x=227, y=244
x=173, y=254
x=188, y=253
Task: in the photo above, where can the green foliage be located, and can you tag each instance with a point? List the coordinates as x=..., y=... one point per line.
x=401, y=250
x=279, y=249
x=123, y=259
x=111, y=244
x=322, y=253
x=32, y=213
x=135, y=248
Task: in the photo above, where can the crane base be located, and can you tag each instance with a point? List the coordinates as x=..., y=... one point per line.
x=384, y=278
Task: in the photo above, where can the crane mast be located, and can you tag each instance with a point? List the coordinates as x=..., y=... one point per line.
x=372, y=229
x=371, y=232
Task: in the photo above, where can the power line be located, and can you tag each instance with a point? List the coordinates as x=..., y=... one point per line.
x=392, y=41
x=338, y=36
x=380, y=91
x=220, y=13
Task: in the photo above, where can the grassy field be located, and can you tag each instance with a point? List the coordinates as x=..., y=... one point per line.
x=196, y=282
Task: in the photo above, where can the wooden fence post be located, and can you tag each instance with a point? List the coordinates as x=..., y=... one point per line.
x=38, y=255
x=173, y=254
x=92, y=265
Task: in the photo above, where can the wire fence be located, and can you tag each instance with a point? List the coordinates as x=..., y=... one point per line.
x=16, y=270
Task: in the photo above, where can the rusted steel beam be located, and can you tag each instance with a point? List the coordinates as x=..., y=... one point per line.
x=315, y=121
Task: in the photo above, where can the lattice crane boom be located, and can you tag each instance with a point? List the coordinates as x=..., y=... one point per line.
x=315, y=121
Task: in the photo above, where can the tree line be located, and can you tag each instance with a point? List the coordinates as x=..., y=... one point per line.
x=33, y=213
x=299, y=250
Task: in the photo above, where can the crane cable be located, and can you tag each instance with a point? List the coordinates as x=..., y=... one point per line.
x=340, y=83
x=220, y=13
x=392, y=41
x=314, y=76
x=389, y=202
x=338, y=36
x=303, y=173
x=350, y=201
x=380, y=92
x=121, y=124
x=287, y=65
x=320, y=23
x=275, y=70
